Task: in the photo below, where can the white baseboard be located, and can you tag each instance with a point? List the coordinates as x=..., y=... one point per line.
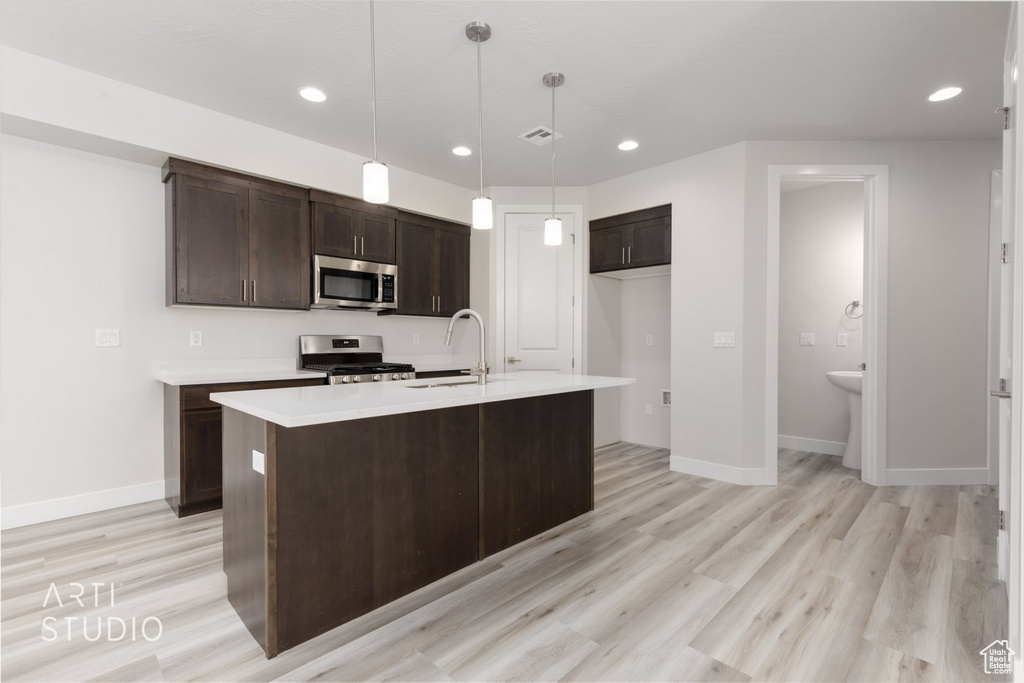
x=963, y=476
x=72, y=506
x=734, y=475
x=799, y=443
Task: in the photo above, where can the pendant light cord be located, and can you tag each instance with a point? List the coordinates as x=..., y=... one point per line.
x=373, y=82
x=553, y=136
x=480, y=111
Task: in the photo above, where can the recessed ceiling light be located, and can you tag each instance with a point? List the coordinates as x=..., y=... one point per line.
x=628, y=145
x=462, y=151
x=944, y=94
x=313, y=94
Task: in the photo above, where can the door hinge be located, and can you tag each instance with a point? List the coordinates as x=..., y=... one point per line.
x=573, y=362
x=1002, y=520
x=1002, y=384
x=1007, y=119
x=1006, y=253
x=573, y=236
x=573, y=299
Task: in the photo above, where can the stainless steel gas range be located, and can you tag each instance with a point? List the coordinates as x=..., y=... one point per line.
x=350, y=359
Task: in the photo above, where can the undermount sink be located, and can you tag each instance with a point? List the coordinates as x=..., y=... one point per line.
x=852, y=382
x=847, y=380
x=460, y=383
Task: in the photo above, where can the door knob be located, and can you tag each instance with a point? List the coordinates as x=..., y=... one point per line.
x=512, y=360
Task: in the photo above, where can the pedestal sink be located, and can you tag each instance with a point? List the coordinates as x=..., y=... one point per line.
x=851, y=382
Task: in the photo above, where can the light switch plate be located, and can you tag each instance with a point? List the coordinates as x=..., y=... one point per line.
x=108, y=337
x=259, y=462
x=841, y=339
x=649, y=340
x=806, y=339
x=724, y=340
x=648, y=409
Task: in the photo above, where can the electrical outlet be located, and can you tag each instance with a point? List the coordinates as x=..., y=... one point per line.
x=841, y=339
x=258, y=462
x=806, y=339
x=108, y=337
x=724, y=339
x=415, y=340
x=650, y=340
x=649, y=409
x=195, y=338
x=666, y=397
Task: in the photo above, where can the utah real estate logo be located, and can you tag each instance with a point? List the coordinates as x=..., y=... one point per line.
x=998, y=657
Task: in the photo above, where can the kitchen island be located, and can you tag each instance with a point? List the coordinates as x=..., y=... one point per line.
x=339, y=499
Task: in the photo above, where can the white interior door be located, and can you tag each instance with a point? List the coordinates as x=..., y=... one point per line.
x=1012, y=355
x=538, y=295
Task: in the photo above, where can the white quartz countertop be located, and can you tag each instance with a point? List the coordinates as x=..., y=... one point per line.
x=185, y=372
x=304, y=406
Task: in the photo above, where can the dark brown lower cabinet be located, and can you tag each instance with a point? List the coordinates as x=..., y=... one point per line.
x=352, y=515
x=193, y=443
x=536, y=466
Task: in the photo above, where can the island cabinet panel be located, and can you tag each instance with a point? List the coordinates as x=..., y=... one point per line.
x=365, y=511
x=536, y=466
x=246, y=530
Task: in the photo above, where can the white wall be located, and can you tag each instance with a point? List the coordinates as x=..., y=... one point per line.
x=821, y=271
x=707, y=196
x=646, y=310
x=82, y=247
x=85, y=423
x=937, y=297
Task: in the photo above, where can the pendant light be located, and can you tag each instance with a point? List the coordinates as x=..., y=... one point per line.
x=483, y=211
x=375, y=174
x=553, y=225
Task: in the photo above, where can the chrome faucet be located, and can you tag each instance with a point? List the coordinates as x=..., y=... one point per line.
x=480, y=371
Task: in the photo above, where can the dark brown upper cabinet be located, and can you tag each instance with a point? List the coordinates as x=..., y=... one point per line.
x=631, y=240
x=235, y=240
x=433, y=266
x=349, y=228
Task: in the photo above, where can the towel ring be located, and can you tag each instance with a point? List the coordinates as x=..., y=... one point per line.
x=853, y=306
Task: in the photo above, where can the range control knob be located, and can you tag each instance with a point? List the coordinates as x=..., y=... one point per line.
x=346, y=379
x=357, y=379
x=377, y=378
x=396, y=376
x=405, y=375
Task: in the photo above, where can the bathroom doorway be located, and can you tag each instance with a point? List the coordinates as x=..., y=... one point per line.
x=870, y=312
x=821, y=294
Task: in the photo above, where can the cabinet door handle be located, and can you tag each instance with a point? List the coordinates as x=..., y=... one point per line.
x=355, y=245
x=254, y=291
x=630, y=255
x=623, y=256
x=438, y=303
x=432, y=304
x=362, y=246
x=243, y=291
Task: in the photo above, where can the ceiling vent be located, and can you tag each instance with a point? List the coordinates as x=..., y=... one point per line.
x=539, y=136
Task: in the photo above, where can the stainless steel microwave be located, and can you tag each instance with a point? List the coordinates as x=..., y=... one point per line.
x=347, y=283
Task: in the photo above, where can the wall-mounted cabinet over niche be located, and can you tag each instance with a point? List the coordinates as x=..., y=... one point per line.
x=638, y=239
x=349, y=228
x=235, y=240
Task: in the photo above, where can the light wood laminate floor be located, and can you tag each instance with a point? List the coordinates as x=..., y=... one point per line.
x=672, y=577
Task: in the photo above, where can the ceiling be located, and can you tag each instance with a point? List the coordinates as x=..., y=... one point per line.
x=678, y=77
